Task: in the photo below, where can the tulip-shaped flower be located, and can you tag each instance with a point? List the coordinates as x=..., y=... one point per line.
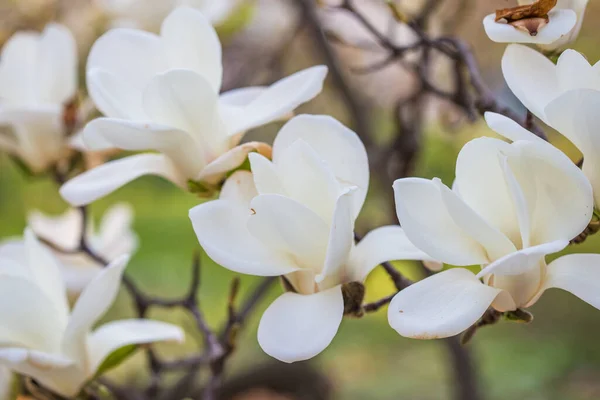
x=541, y=22
x=38, y=79
x=41, y=339
x=161, y=93
x=509, y=207
x=113, y=239
x=565, y=95
x=294, y=217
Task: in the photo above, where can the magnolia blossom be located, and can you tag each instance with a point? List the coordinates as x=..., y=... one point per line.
x=565, y=95
x=42, y=339
x=113, y=239
x=579, y=7
x=149, y=14
x=161, y=93
x=511, y=205
x=559, y=26
x=294, y=217
x=38, y=78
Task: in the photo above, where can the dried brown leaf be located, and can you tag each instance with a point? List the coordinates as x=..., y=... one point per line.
x=539, y=9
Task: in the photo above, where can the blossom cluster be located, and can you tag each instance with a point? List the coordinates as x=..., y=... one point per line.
x=286, y=210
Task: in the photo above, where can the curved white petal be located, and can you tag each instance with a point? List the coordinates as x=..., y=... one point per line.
x=339, y=147
x=341, y=240
x=297, y=327
x=115, y=97
x=524, y=69
x=18, y=68
x=115, y=236
x=114, y=335
x=191, y=42
x=309, y=180
x=39, y=324
x=428, y=224
x=509, y=129
x=287, y=226
x=91, y=305
x=561, y=22
x=276, y=101
x=239, y=188
x=266, y=175
x=387, y=243
x=57, y=63
x=242, y=96
x=574, y=71
x=182, y=150
x=63, y=230
x=52, y=371
x=221, y=228
x=440, y=306
x=107, y=178
x=523, y=204
x=185, y=100
x=495, y=243
x=131, y=56
x=44, y=268
x=575, y=115
x=564, y=200
x=482, y=185
x=230, y=160
x=523, y=260
x=578, y=274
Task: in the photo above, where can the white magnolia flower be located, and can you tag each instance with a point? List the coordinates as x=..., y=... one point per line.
x=510, y=206
x=565, y=95
x=42, y=339
x=38, y=77
x=579, y=7
x=161, y=93
x=294, y=217
x=561, y=22
x=113, y=239
x=149, y=14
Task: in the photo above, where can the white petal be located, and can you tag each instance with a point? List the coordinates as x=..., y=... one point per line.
x=574, y=71
x=178, y=145
x=428, y=224
x=575, y=115
x=115, y=236
x=63, y=230
x=191, y=42
x=230, y=160
x=242, y=96
x=185, y=100
x=561, y=22
x=524, y=70
x=131, y=56
x=221, y=228
x=440, y=306
x=114, y=335
x=93, y=303
x=298, y=327
x=287, y=226
x=309, y=180
x=276, y=101
x=57, y=64
x=114, y=96
x=339, y=147
x=18, y=68
x=266, y=176
x=51, y=371
x=482, y=184
x=107, y=178
x=523, y=204
x=39, y=324
x=495, y=243
x=523, y=260
x=578, y=274
x=509, y=129
x=387, y=243
x=239, y=188
x=341, y=240
x=563, y=205
x=45, y=271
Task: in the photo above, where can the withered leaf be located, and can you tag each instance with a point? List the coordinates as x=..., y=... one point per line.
x=539, y=9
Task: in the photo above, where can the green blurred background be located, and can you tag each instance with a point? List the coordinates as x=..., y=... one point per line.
x=555, y=357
